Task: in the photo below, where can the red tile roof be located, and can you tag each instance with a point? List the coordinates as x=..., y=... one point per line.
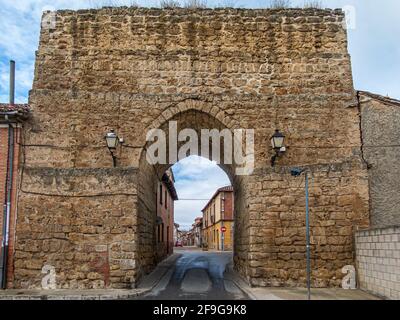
x=23, y=108
x=223, y=189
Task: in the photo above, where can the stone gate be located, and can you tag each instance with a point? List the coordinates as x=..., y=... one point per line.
x=134, y=69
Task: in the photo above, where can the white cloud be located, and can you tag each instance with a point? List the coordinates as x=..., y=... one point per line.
x=196, y=178
x=19, y=37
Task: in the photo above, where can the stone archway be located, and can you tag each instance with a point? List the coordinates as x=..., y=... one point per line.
x=131, y=69
x=195, y=115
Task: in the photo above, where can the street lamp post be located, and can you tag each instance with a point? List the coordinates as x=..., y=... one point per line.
x=112, y=141
x=277, y=142
x=296, y=172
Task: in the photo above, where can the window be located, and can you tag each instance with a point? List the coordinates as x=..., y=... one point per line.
x=160, y=233
x=167, y=238
x=160, y=193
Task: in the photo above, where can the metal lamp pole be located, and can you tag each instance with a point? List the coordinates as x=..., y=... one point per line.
x=114, y=158
x=296, y=172
x=308, y=241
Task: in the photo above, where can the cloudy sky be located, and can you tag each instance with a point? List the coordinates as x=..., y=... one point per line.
x=196, y=178
x=373, y=44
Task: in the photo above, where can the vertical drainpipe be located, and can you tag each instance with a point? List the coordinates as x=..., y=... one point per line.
x=8, y=187
x=7, y=206
x=12, y=82
x=222, y=223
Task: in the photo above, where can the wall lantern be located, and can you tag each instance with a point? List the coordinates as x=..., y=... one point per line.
x=112, y=141
x=277, y=142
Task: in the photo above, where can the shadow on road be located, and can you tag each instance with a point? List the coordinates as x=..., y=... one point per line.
x=197, y=275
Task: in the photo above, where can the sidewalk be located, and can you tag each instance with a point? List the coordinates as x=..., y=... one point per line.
x=90, y=294
x=295, y=293
x=145, y=286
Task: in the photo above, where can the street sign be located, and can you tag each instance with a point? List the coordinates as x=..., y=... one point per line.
x=223, y=229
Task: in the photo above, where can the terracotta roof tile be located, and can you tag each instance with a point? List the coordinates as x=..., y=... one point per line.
x=223, y=189
x=6, y=107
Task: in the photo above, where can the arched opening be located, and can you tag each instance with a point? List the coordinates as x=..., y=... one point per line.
x=151, y=177
x=205, y=193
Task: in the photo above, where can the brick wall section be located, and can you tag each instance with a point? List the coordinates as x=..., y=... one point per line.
x=14, y=207
x=228, y=213
x=166, y=246
x=3, y=172
x=378, y=261
x=3, y=166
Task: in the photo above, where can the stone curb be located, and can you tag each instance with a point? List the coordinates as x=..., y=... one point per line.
x=233, y=276
x=66, y=295
x=158, y=273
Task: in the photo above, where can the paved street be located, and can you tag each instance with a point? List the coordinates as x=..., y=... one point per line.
x=190, y=274
x=197, y=275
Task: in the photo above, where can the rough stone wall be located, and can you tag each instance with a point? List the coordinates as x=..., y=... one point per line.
x=82, y=222
x=135, y=69
x=241, y=237
x=380, y=122
x=338, y=195
x=378, y=261
x=147, y=214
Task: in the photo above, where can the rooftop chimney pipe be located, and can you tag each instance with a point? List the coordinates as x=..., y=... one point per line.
x=12, y=82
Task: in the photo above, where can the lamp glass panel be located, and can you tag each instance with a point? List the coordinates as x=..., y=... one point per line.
x=112, y=140
x=279, y=142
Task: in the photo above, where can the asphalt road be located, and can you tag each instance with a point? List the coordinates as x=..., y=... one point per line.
x=197, y=275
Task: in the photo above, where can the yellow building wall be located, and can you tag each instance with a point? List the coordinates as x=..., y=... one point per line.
x=212, y=236
x=215, y=203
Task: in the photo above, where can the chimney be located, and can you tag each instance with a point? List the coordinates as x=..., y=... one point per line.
x=12, y=82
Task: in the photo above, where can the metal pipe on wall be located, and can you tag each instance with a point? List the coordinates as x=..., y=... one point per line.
x=308, y=239
x=12, y=82
x=8, y=186
x=7, y=207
